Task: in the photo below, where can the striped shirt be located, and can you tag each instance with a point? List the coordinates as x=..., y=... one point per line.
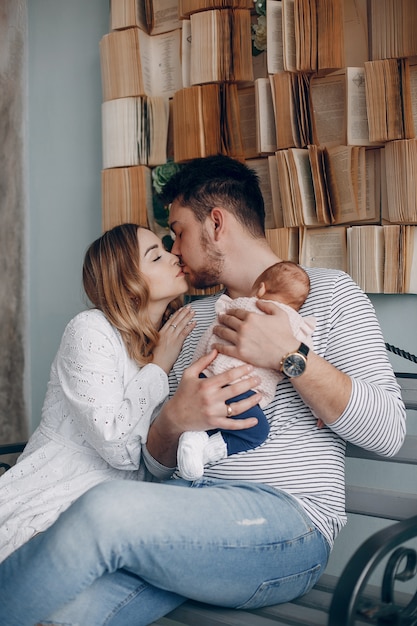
x=298, y=457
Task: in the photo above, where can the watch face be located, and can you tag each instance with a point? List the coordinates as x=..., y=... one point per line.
x=294, y=365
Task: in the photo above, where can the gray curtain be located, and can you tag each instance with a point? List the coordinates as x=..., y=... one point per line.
x=13, y=41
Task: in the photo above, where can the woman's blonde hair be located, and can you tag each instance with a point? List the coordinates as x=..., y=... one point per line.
x=115, y=285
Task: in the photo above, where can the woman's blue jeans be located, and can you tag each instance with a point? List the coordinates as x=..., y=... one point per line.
x=230, y=543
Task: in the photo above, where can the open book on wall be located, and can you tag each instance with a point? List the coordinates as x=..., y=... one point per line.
x=135, y=131
x=274, y=37
x=187, y=7
x=265, y=117
x=400, y=261
x=248, y=120
x=324, y=186
x=206, y=121
x=302, y=36
x=399, y=175
x=380, y=259
x=313, y=35
x=392, y=28
x=339, y=108
x=383, y=259
x=230, y=122
x=275, y=192
x=196, y=127
x=134, y=63
x=152, y=16
x=296, y=187
x=366, y=257
x=391, y=98
x=221, y=46
x=291, y=105
x=284, y=242
x=353, y=176
x=324, y=247
x=257, y=120
x=126, y=196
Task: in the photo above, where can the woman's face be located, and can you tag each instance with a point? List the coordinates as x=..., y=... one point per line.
x=160, y=268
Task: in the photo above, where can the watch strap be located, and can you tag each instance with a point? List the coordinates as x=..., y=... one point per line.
x=303, y=349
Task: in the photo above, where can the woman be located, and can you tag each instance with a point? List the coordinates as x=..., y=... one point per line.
x=107, y=379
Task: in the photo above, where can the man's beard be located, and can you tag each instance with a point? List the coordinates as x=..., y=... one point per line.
x=209, y=274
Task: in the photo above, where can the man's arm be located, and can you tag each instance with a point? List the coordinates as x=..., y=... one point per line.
x=349, y=383
x=264, y=340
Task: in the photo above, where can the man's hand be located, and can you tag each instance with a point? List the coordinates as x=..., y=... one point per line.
x=200, y=404
x=264, y=339
x=258, y=339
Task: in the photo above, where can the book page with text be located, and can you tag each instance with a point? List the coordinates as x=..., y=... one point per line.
x=357, y=128
x=274, y=37
x=161, y=62
x=162, y=16
x=186, y=53
x=328, y=101
x=265, y=119
x=288, y=36
x=300, y=169
x=342, y=191
x=324, y=247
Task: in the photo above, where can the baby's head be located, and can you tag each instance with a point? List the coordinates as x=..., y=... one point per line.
x=284, y=282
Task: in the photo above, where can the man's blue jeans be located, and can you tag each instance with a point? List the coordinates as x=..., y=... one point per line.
x=235, y=544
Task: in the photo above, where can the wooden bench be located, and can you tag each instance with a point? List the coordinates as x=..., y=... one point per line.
x=387, y=555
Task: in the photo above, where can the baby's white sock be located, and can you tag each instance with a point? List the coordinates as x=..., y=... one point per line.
x=195, y=450
x=215, y=449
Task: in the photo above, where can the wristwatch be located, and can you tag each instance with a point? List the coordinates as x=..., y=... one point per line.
x=295, y=363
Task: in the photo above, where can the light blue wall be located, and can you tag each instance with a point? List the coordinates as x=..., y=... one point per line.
x=64, y=168
x=64, y=180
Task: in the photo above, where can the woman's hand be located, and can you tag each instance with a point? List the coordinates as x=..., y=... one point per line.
x=172, y=336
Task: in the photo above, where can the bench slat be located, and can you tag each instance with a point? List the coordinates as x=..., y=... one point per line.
x=391, y=505
x=195, y=613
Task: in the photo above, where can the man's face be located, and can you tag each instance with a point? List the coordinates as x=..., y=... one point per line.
x=194, y=246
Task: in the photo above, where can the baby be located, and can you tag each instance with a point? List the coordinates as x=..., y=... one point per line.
x=287, y=285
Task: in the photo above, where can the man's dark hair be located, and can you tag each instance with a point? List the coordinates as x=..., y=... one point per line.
x=207, y=182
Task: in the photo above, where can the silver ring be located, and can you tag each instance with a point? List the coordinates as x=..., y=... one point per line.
x=229, y=411
x=173, y=325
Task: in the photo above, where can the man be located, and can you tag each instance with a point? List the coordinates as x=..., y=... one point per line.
x=257, y=529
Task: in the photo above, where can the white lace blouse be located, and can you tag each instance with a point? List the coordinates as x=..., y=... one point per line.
x=95, y=418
